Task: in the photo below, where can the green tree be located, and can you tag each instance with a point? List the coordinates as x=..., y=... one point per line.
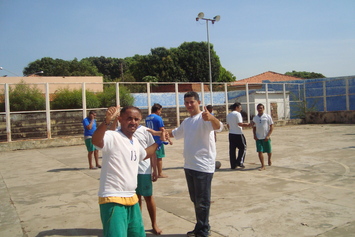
x=225, y=76
x=193, y=60
x=111, y=68
x=60, y=67
x=305, y=75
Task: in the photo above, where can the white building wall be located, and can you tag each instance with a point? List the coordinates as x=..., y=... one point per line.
x=256, y=98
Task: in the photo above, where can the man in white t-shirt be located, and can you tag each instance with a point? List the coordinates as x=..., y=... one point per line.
x=200, y=155
x=262, y=129
x=121, y=153
x=236, y=136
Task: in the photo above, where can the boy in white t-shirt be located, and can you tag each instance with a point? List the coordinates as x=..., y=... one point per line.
x=121, y=153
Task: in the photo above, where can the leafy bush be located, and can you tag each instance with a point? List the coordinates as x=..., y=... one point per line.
x=72, y=99
x=108, y=97
x=24, y=97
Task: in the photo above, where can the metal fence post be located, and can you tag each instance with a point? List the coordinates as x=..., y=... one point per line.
x=177, y=104
x=267, y=99
x=118, y=102
x=285, y=107
x=203, y=94
x=148, y=99
x=248, y=102
x=324, y=97
x=83, y=91
x=226, y=96
x=48, y=113
x=7, y=111
x=347, y=94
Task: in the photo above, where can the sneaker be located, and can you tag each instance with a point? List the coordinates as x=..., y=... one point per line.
x=190, y=234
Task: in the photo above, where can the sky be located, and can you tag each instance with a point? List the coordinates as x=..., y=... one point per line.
x=252, y=36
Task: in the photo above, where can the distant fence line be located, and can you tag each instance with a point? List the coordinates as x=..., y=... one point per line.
x=321, y=94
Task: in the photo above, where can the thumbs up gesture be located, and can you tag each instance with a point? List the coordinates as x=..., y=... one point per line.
x=206, y=115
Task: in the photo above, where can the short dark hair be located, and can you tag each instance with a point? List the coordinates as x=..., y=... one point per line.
x=156, y=107
x=192, y=94
x=92, y=112
x=209, y=107
x=260, y=105
x=124, y=109
x=235, y=105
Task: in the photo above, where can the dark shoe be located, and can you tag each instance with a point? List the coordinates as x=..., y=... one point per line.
x=209, y=233
x=190, y=234
x=242, y=166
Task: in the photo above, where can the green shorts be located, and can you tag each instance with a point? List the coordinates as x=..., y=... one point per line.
x=145, y=185
x=161, y=152
x=89, y=145
x=121, y=221
x=263, y=146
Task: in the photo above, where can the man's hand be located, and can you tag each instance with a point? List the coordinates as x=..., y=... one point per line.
x=164, y=135
x=112, y=113
x=206, y=115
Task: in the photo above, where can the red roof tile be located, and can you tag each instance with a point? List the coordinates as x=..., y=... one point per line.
x=269, y=76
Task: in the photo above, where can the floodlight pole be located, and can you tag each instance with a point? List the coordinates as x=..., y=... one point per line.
x=216, y=18
x=1, y=68
x=209, y=60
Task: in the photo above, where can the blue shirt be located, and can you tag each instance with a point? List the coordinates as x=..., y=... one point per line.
x=155, y=122
x=86, y=122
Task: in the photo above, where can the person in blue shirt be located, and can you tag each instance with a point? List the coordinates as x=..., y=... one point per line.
x=89, y=124
x=155, y=122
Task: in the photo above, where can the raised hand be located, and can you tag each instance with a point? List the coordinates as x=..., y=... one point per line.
x=112, y=113
x=206, y=115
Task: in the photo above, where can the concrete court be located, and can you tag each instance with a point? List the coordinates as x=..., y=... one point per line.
x=308, y=191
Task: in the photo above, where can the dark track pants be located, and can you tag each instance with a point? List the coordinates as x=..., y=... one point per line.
x=237, y=141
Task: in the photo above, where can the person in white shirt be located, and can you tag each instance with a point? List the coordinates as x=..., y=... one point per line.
x=262, y=129
x=121, y=153
x=200, y=155
x=236, y=136
x=146, y=176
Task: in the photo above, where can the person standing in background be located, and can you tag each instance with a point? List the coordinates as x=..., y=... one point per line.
x=236, y=136
x=89, y=124
x=155, y=122
x=262, y=129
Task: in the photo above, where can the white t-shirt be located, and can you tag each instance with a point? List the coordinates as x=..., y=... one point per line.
x=199, y=143
x=120, y=158
x=233, y=118
x=262, y=124
x=146, y=139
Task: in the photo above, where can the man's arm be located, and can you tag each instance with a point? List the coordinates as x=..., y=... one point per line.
x=269, y=133
x=254, y=132
x=168, y=133
x=207, y=116
x=98, y=136
x=151, y=149
x=89, y=126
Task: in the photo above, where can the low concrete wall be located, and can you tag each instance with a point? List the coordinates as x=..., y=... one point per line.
x=29, y=129
x=347, y=117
